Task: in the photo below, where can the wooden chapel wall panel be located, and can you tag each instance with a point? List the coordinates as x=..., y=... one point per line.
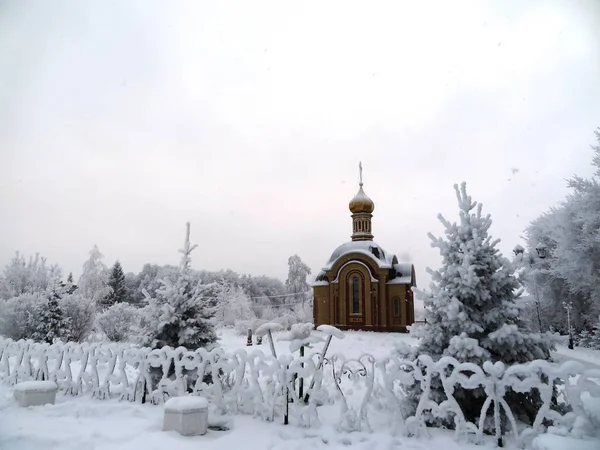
x=382, y=294
x=394, y=291
x=321, y=305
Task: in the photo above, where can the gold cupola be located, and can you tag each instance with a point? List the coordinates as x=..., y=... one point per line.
x=361, y=207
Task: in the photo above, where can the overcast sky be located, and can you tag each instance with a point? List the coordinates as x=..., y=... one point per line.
x=122, y=120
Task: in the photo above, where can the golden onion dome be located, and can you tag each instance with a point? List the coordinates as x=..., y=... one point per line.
x=361, y=203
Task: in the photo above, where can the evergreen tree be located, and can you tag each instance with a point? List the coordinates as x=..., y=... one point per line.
x=69, y=287
x=595, y=338
x=52, y=323
x=118, y=288
x=185, y=313
x=471, y=312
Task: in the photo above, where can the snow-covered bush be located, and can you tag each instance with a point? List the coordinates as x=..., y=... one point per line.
x=119, y=321
x=584, y=339
x=81, y=314
x=148, y=320
x=20, y=316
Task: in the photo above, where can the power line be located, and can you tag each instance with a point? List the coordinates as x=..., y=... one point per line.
x=281, y=295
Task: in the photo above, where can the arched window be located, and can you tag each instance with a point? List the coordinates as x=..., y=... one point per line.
x=355, y=297
x=396, y=307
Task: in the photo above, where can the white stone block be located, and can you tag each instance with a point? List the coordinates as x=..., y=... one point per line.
x=34, y=393
x=187, y=415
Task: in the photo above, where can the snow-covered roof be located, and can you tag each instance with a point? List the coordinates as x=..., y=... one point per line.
x=400, y=280
x=321, y=279
x=373, y=250
x=404, y=274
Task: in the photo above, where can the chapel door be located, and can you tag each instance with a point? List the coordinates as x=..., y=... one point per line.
x=355, y=305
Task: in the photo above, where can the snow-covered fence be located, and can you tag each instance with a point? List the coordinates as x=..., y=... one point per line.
x=252, y=382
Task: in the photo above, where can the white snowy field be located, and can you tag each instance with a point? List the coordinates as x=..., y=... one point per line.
x=84, y=423
x=355, y=343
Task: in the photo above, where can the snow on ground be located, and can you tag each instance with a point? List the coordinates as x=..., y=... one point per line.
x=590, y=358
x=83, y=423
x=355, y=344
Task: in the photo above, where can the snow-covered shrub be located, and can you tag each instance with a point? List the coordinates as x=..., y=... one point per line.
x=20, y=316
x=584, y=339
x=119, y=321
x=81, y=313
x=148, y=319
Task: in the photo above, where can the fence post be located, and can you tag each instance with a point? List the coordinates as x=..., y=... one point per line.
x=301, y=382
x=497, y=423
x=249, y=338
x=287, y=396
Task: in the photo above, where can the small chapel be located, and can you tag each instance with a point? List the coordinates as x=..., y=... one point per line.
x=362, y=287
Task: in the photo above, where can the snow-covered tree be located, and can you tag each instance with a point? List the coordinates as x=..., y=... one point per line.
x=150, y=280
x=93, y=283
x=67, y=287
x=571, y=271
x=595, y=338
x=119, y=321
x=233, y=305
x=20, y=316
x=22, y=276
x=471, y=309
x=184, y=317
x=296, y=282
x=81, y=314
x=52, y=324
x=118, y=289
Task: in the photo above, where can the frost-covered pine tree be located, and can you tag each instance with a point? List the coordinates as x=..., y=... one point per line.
x=471, y=310
x=185, y=314
x=118, y=288
x=52, y=323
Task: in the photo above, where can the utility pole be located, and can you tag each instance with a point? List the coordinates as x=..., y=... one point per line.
x=568, y=307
